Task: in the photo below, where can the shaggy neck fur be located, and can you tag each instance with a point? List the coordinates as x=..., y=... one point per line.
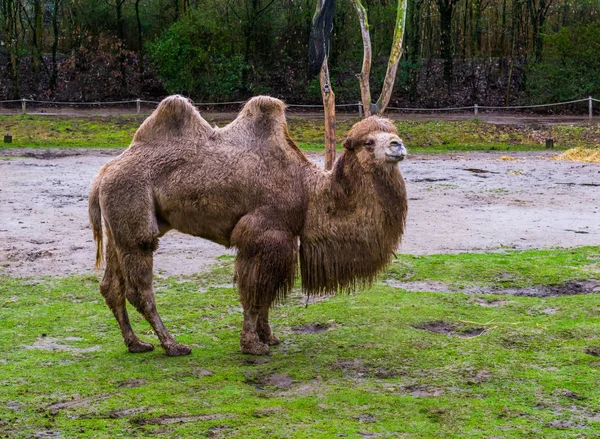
x=354, y=223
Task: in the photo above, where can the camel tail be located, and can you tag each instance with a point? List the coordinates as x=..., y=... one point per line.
x=95, y=214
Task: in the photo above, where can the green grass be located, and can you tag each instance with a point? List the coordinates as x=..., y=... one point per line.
x=69, y=132
x=420, y=136
x=507, y=269
x=373, y=372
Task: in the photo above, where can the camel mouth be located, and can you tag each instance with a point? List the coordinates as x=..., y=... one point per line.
x=395, y=157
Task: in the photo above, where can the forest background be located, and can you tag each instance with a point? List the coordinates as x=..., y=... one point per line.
x=456, y=52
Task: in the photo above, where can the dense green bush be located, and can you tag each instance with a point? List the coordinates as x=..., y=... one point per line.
x=194, y=57
x=570, y=65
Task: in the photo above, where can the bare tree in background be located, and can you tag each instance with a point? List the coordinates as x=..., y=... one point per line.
x=392, y=67
x=318, y=53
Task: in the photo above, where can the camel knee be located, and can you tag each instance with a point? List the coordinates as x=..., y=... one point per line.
x=265, y=268
x=111, y=290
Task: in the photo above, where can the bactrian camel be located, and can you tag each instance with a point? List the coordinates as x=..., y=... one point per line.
x=246, y=186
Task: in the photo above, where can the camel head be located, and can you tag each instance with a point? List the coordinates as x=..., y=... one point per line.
x=375, y=142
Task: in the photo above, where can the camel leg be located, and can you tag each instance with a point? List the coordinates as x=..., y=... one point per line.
x=137, y=267
x=263, y=329
x=112, y=288
x=250, y=342
x=264, y=269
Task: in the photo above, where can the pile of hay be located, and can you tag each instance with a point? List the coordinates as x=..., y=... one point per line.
x=580, y=155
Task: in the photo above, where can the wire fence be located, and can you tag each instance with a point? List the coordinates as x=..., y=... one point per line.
x=476, y=108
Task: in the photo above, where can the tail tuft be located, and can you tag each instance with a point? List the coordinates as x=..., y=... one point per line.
x=95, y=214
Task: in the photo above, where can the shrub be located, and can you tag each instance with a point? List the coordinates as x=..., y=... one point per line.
x=569, y=66
x=194, y=57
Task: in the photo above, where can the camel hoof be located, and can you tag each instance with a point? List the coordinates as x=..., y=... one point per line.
x=139, y=346
x=256, y=348
x=273, y=341
x=177, y=350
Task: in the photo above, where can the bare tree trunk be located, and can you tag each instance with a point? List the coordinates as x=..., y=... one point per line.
x=37, y=36
x=140, y=39
x=538, y=13
x=120, y=22
x=329, y=108
x=10, y=11
x=446, y=10
x=395, y=54
x=328, y=104
x=392, y=68
x=56, y=31
x=363, y=76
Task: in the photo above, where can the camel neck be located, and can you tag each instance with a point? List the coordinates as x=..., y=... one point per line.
x=354, y=222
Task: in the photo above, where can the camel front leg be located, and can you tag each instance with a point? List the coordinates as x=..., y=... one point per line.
x=264, y=271
x=250, y=342
x=263, y=328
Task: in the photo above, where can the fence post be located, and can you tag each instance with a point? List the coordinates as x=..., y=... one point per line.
x=23, y=106
x=360, y=110
x=476, y=109
x=137, y=106
x=591, y=108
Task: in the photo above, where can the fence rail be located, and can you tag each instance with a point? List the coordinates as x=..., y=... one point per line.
x=475, y=108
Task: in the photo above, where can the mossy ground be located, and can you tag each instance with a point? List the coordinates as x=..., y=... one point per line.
x=368, y=364
x=420, y=136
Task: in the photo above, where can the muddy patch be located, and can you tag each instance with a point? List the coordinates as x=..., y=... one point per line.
x=472, y=377
x=200, y=373
x=311, y=328
x=266, y=412
x=126, y=413
x=45, y=343
x=450, y=329
x=76, y=402
x=256, y=361
x=367, y=418
x=420, y=391
x=490, y=302
x=46, y=434
x=352, y=368
x=276, y=381
x=479, y=171
x=132, y=384
x=356, y=368
x=184, y=419
x=570, y=288
x=593, y=351
x=14, y=405
x=432, y=286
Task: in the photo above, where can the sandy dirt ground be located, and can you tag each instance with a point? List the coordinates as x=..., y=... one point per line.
x=457, y=203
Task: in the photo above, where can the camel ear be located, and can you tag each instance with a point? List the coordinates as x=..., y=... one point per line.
x=349, y=144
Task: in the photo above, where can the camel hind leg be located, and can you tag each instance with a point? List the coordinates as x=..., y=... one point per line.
x=113, y=289
x=137, y=267
x=130, y=217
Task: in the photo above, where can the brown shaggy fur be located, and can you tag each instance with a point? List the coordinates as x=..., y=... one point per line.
x=247, y=186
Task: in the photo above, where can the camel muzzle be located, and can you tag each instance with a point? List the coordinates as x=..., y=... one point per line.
x=396, y=152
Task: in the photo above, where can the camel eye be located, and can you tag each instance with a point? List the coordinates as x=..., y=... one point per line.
x=369, y=143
